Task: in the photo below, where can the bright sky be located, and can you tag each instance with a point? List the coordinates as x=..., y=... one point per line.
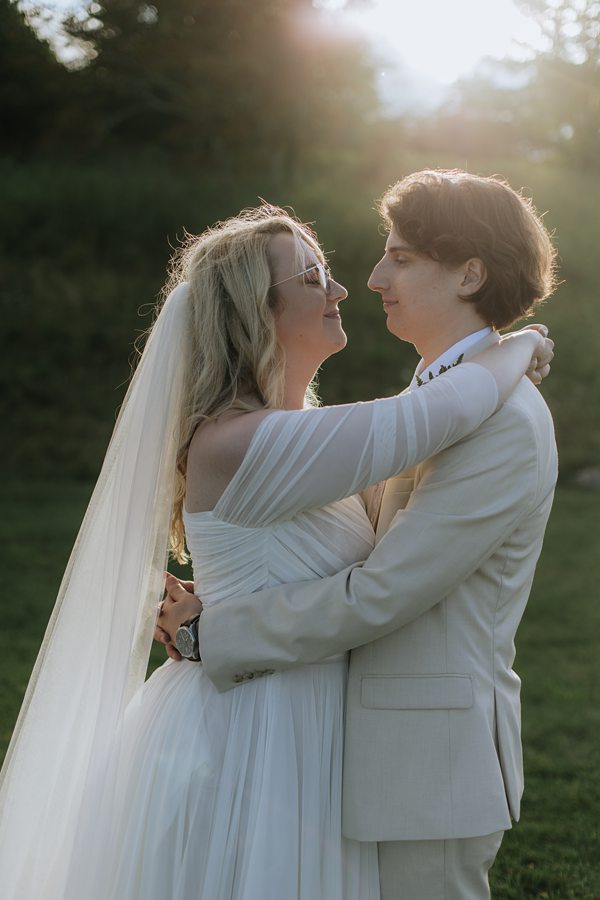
x=440, y=40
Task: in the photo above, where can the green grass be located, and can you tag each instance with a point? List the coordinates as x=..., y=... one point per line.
x=552, y=854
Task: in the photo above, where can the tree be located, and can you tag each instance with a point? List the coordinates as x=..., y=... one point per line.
x=225, y=82
x=549, y=103
x=565, y=89
x=31, y=82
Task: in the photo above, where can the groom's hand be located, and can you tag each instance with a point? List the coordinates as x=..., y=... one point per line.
x=177, y=592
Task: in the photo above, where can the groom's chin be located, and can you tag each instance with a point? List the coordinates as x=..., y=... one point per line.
x=393, y=329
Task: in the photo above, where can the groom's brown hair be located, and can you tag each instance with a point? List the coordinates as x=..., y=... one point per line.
x=452, y=216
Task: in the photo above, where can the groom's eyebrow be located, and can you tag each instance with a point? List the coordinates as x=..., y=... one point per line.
x=397, y=248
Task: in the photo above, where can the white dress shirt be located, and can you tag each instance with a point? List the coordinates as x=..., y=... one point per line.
x=449, y=356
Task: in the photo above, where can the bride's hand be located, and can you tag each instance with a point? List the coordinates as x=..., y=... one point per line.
x=179, y=606
x=543, y=352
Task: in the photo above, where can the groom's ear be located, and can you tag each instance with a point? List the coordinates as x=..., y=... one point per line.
x=473, y=276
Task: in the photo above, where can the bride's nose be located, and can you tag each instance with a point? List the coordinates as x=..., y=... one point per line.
x=337, y=291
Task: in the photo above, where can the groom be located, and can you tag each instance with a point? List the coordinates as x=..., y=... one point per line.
x=432, y=762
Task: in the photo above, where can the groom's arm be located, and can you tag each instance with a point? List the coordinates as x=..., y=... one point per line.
x=469, y=500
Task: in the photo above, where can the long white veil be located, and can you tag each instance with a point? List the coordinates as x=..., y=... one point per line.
x=96, y=647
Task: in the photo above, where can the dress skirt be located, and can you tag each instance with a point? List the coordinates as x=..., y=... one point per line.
x=225, y=796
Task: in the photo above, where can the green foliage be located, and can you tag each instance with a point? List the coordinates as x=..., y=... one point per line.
x=187, y=111
x=430, y=375
x=550, y=103
x=89, y=249
x=237, y=86
x=225, y=83
x=31, y=82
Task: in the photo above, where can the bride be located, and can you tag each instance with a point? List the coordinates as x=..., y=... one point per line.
x=116, y=789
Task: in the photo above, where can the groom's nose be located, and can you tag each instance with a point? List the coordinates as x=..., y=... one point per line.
x=377, y=281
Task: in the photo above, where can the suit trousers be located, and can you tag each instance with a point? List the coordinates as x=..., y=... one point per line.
x=438, y=870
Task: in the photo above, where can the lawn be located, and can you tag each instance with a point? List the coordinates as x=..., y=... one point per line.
x=554, y=852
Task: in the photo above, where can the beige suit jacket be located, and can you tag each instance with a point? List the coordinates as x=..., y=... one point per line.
x=432, y=746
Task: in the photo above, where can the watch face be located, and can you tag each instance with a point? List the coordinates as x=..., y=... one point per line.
x=184, y=641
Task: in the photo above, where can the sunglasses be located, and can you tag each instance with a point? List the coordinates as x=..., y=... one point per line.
x=325, y=279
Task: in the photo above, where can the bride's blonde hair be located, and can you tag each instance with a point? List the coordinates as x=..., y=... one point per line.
x=233, y=359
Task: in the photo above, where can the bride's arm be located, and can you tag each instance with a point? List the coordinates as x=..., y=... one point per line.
x=526, y=351
x=465, y=506
x=302, y=459
x=503, y=362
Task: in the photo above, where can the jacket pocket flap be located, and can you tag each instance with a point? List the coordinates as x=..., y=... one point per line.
x=417, y=691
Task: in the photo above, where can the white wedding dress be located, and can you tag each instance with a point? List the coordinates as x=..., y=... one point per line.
x=237, y=795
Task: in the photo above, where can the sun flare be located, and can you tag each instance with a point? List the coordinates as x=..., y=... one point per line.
x=440, y=40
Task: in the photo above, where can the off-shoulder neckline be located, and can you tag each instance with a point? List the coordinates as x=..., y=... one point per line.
x=243, y=465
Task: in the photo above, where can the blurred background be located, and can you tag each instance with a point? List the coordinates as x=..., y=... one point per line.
x=126, y=123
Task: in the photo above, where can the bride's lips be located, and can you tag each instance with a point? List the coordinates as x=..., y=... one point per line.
x=332, y=315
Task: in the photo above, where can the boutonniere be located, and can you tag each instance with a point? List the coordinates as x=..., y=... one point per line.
x=430, y=376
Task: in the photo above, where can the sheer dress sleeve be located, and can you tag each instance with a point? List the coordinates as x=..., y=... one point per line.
x=301, y=459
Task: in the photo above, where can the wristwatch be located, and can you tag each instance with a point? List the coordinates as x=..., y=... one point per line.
x=186, y=640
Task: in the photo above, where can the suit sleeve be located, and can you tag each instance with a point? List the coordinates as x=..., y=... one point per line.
x=467, y=502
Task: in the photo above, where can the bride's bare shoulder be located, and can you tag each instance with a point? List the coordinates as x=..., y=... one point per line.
x=226, y=440
x=215, y=454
